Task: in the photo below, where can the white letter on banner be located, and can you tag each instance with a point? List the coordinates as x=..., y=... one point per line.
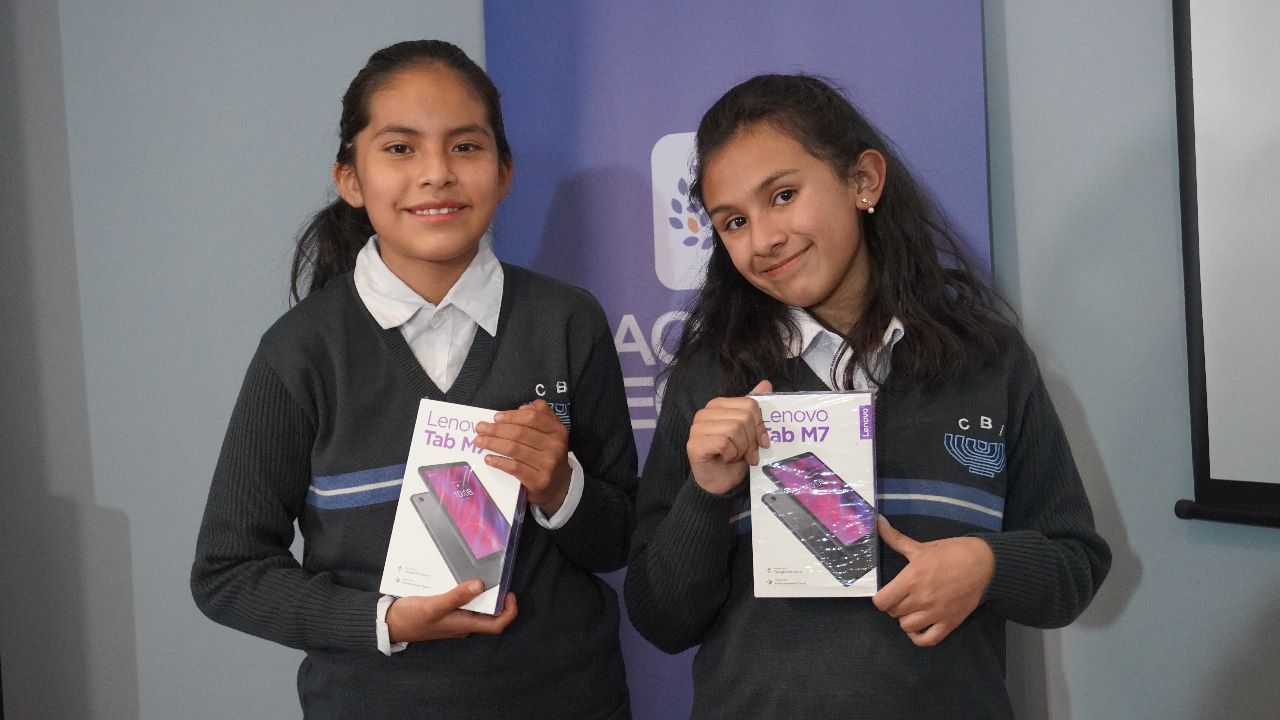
x=628, y=338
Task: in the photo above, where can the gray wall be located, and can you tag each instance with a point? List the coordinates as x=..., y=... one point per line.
x=1088, y=246
x=158, y=159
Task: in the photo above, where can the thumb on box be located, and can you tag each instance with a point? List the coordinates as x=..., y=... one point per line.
x=895, y=539
x=463, y=594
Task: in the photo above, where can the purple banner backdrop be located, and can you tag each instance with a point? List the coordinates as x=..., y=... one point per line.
x=601, y=100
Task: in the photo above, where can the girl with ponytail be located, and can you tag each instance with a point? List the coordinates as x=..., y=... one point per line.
x=399, y=297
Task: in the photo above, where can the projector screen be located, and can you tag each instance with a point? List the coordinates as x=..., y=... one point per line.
x=1227, y=57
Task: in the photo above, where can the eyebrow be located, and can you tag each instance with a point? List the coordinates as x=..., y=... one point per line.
x=406, y=130
x=397, y=130
x=468, y=129
x=769, y=180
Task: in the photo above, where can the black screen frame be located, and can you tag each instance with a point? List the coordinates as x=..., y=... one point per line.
x=1220, y=499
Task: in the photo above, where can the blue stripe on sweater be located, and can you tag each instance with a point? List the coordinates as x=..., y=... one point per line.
x=935, y=498
x=354, y=489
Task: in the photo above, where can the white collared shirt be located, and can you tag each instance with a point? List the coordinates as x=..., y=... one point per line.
x=818, y=347
x=440, y=338
x=439, y=335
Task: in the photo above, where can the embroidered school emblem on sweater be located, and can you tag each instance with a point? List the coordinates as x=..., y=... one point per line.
x=559, y=406
x=561, y=409
x=981, y=457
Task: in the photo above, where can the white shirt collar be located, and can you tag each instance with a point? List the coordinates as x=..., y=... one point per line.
x=811, y=331
x=477, y=293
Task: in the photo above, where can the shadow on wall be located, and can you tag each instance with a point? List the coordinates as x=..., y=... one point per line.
x=1126, y=567
x=67, y=624
x=1037, y=680
x=1004, y=255
x=590, y=207
x=1038, y=683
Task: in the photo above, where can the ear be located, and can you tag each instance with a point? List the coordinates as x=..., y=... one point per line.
x=867, y=177
x=348, y=185
x=505, y=171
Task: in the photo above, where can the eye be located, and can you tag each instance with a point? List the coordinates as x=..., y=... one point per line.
x=399, y=149
x=466, y=147
x=782, y=197
x=734, y=223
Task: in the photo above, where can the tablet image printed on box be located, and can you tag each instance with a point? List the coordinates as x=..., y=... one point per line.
x=457, y=519
x=813, y=497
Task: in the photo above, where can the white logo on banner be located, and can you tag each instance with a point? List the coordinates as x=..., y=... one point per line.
x=647, y=393
x=681, y=232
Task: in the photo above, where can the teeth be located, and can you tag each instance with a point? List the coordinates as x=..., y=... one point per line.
x=437, y=211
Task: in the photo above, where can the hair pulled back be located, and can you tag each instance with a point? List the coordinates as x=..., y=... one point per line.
x=328, y=244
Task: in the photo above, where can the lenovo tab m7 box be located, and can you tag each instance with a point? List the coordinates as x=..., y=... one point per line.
x=458, y=519
x=813, y=495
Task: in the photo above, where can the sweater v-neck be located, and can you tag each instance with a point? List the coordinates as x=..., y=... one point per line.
x=474, y=367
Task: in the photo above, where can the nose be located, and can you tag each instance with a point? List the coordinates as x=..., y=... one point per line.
x=767, y=236
x=435, y=168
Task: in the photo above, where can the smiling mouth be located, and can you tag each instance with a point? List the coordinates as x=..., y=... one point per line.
x=437, y=211
x=784, y=265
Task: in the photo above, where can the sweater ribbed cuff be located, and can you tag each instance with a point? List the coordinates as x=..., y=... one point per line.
x=1024, y=563
x=597, y=534
x=342, y=618
x=698, y=533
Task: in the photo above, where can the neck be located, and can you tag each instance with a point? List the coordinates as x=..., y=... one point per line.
x=838, y=320
x=842, y=309
x=430, y=279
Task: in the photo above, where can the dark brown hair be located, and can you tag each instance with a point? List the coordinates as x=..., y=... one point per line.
x=328, y=244
x=919, y=270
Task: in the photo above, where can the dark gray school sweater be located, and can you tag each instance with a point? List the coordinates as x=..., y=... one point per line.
x=985, y=456
x=319, y=434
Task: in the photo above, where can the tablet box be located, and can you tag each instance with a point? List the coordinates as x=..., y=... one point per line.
x=813, y=495
x=457, y=519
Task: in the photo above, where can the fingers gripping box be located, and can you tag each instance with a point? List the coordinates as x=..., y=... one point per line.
x=457, y=519
x=813, y=494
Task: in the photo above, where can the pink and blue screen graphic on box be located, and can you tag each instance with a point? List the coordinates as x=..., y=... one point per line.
x=468, y=505
x=826, y=496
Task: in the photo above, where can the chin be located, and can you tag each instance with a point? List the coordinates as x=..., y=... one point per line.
x=802, y=301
